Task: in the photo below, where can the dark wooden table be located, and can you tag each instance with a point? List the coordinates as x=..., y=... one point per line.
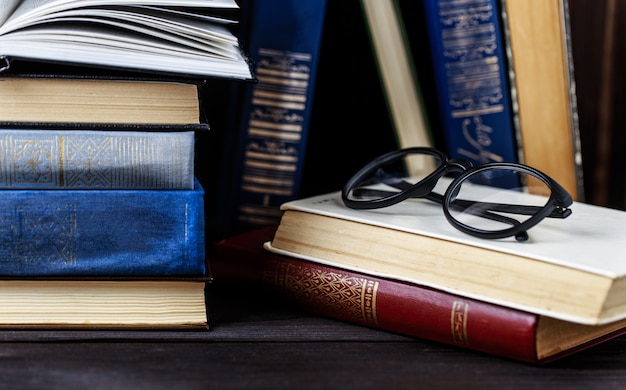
x=257, y=341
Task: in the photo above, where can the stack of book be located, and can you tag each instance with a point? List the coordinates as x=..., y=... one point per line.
x=102, y=217
x=404, y=269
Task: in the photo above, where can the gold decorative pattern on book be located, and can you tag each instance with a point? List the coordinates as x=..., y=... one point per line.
x=352, y=297
x=46, y=234
x=458, y=322
x=95, y=160
x=33, y=161
x=274, y=129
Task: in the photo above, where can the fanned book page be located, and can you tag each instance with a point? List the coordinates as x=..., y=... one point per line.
x=180, y=37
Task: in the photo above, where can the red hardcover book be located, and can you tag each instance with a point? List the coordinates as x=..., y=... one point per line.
x=404, y=308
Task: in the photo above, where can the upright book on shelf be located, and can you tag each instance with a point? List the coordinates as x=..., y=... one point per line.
x=400, y=307
x=166, y=36
x=263, y=160
x=571, y=269
x=470, y=70
x=541, y=60
x=396, y=66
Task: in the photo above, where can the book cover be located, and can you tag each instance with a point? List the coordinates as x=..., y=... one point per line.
x=397, y=70
x=80, y=99
x=403, y=308
x=538, y=37
x=471, y=75
x=102, y=232
x=182, y=37
x=350, y=122
x=263, y=168
x=92, y=159
x=572, y=269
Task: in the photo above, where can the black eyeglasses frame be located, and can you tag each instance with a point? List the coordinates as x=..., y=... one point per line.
x=556, y=206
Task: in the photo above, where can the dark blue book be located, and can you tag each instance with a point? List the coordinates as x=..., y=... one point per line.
x=102, y=233
x=472, y=82
x=270, y=128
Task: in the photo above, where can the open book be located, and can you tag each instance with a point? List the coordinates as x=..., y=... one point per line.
x=190, y=37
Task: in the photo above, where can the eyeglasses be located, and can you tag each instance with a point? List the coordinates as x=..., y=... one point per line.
x=494, y=200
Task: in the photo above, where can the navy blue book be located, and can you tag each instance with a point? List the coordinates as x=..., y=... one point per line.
x=472, y=83
x=269, y=133
x=102, y=233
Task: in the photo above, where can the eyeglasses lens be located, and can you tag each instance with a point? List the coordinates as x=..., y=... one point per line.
x=394, y=176
x=497, y=199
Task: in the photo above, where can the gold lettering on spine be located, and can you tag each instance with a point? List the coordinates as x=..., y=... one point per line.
x=458, y=322
x=370, y=288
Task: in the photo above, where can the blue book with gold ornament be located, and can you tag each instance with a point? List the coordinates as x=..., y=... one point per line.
x=472, y=82
x=102, y=233
x=269, y=125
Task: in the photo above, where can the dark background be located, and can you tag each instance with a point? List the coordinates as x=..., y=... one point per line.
x=598, y=45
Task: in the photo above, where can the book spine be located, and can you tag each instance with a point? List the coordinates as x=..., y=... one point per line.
x=397, y=71
x=398, y=307
x=471, y=76
x=542, y=71
x=91, y=159
x=283, y=44
x=102, y=232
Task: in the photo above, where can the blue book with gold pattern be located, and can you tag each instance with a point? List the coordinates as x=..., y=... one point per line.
x=102, y=232
x=471, y=75
x=92, y=159
x=270, y=122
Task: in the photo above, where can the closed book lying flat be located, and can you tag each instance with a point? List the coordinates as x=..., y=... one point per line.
x=400, y=307
x=106, y=304
x=91, y=159
x=102, y=232
x=573, y=269
x=98, y=99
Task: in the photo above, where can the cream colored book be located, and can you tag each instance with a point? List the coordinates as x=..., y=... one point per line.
x=93, y=100
x=397, y=73
x=572, y=269
x=88, y=304
x=540, y=54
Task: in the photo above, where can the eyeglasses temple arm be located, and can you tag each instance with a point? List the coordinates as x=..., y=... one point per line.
x=558, y=212
x=459, y=205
